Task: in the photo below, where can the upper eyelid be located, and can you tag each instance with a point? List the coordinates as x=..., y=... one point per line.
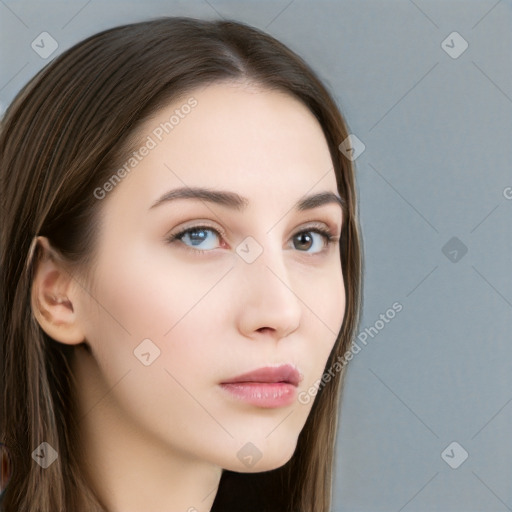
x=329, y=221
x=330, y=226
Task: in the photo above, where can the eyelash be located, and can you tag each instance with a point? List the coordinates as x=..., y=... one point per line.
x=329, y=237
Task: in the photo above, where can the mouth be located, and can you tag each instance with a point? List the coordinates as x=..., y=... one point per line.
x=267, y=387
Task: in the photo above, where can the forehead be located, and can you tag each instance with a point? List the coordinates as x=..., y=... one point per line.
x=264, y=144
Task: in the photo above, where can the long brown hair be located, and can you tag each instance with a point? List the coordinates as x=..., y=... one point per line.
x=61, y=138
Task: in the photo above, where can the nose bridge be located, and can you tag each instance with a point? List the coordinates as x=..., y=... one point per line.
x=263, y=259
x=268, y=297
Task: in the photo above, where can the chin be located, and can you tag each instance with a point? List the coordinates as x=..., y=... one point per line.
x=271, y=464
x=269, y=459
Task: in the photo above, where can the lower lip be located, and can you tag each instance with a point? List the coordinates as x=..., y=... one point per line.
x=263, y=394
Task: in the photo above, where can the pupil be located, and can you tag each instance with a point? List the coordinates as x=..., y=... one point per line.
x=302, y=236
x=199, y=238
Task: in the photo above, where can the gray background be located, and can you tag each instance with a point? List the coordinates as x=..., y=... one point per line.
x=437, y=165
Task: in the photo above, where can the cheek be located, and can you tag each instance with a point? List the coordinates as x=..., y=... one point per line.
x=141, y=296
x=162, y=314
x=325, y=302
x=149, y=292
x=334, y=302
x=324, y=314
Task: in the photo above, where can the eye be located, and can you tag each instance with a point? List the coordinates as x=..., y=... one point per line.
x=197, y=236
x=327, y=238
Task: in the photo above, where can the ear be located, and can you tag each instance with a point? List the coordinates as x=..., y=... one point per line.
x=54, y=296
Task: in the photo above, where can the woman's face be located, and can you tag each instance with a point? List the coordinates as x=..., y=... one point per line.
x=169, y=321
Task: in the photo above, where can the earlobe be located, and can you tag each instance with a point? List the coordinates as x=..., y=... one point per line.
x=53, y=297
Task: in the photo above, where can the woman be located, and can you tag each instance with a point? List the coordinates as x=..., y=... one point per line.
x=181, y=275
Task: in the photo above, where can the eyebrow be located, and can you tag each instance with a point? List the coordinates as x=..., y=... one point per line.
x=237, y=202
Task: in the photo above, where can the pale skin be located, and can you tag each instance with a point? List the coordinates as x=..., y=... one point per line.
x=157, y=437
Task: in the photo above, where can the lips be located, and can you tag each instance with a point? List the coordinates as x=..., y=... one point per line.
x=270, y=387
x=286, y=373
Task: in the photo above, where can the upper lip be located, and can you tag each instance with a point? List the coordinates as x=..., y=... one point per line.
x=284, y=373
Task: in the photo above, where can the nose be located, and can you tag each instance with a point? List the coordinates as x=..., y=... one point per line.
x=267, y=302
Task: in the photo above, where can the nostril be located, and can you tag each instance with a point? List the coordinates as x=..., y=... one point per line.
x=265, y=329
